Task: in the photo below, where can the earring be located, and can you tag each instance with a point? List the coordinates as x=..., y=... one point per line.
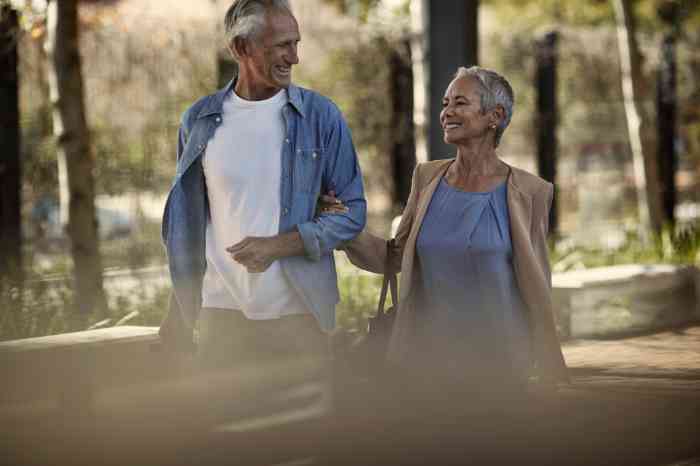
x=493, y=126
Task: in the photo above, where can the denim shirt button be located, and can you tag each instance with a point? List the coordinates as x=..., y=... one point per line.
x=285, y=211
x=218, y=119
x=314, y=155
x=286, y=140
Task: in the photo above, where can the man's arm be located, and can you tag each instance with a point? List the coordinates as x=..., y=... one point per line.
x=256, y=253
x=341, y=174
x=330, y=227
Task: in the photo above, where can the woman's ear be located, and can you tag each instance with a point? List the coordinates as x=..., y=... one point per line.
x=498, y=116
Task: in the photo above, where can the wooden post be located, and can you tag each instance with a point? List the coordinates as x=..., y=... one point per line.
x=74, y=153
x=10, y=167
x=546, y=78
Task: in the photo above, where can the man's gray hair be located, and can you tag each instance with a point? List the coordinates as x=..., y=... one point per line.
x=246, y=18
x=495, y=90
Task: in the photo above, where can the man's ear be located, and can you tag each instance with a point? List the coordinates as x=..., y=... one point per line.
x=239, y=47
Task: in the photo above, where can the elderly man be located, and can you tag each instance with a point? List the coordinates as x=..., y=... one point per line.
x=245, y=243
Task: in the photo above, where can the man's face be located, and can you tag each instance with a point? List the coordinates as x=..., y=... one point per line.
x=274, y=51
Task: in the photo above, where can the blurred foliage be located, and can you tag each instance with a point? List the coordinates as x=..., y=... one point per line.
x=141, y=248
x=681, y=247
x=360, y=9
x=134, y=98
x=533, y=14
x=43, y=303
x=41, y=307
x=356, y=77
x=359, y=296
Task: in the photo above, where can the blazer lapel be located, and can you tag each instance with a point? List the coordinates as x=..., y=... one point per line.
x=519, y=212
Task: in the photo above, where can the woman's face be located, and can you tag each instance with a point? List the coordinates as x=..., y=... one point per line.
x=461, y=117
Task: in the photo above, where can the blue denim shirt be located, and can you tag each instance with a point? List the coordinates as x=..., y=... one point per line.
x=317, y=156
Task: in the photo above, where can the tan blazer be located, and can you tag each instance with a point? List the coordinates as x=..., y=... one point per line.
x=529, y=200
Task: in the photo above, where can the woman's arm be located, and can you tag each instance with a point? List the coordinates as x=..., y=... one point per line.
x=542, y=206
x=369, y=252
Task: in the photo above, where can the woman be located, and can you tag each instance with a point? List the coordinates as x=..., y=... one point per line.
x=475, y=283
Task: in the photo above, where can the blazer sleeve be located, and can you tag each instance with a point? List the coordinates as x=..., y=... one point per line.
x=540, y=229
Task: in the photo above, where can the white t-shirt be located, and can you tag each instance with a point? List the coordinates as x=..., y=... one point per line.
x=242, y=167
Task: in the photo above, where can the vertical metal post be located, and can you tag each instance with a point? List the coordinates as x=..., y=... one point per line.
x=403, y=144
x=547, y=118
x=10, y=172
x=452, y=42
x=666, y=126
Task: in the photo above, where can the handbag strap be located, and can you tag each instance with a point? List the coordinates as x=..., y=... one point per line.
x=388, y=282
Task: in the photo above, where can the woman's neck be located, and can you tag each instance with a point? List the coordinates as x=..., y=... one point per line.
x=476, y=170
x=476, y=160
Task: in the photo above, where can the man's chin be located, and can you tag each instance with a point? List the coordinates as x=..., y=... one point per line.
x=283, y=81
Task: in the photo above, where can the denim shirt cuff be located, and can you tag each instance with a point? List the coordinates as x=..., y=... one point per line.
x=312, y=245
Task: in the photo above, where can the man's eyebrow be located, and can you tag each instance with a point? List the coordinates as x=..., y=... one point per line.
x=458, y=96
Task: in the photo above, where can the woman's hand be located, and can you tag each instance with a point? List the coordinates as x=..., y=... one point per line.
x=329, y=204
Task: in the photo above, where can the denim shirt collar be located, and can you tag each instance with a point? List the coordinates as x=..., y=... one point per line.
x=215, y=104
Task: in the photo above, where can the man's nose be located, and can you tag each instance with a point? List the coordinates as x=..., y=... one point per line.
x=292, y=56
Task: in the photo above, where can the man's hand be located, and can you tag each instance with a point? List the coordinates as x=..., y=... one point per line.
x=254, y=253
x=257, y=253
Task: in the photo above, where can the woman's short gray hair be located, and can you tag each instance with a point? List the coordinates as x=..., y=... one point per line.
x=495, y=90
x=246, y=18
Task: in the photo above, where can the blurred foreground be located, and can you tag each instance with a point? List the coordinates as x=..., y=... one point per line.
x=634, y=401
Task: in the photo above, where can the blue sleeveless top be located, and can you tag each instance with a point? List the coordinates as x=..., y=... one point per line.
x=473, y=319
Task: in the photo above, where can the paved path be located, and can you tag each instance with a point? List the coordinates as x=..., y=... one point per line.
x=633, y=401
x=666, y=363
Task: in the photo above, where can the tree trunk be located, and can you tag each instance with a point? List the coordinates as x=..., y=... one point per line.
x=10, y=172
x=641, y=134
x=74, y=157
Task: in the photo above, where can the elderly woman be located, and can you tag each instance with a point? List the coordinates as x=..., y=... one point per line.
x=471, y=247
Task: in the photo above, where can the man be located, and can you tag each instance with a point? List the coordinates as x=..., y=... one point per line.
x=244, y=242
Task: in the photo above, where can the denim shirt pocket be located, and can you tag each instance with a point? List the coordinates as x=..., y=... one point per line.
x=308, y=167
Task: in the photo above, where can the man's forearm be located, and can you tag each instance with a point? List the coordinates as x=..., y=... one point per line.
x=287, y=245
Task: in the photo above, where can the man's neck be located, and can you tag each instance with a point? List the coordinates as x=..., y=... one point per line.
x=245, y=90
